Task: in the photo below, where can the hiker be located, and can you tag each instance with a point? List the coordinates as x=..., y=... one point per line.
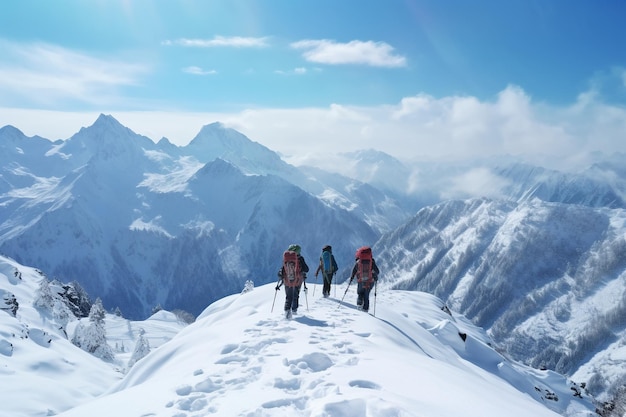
x=292, y=274
x=328, y=267
x=366, y=272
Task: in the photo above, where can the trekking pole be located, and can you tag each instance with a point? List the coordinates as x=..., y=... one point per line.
x=275, y=292
x=305, y=296
x=315, y=286
x=344, y=294
x=375, y=291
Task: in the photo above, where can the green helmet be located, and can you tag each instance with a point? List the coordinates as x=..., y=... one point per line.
x=295, y=248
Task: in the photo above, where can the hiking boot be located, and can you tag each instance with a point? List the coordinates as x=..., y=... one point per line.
x=287, y=314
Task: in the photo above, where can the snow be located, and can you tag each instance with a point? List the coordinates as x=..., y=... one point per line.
x=41, y=372
x=243, y=358
x=175, y=180
x=408, y=357
x=150, y=226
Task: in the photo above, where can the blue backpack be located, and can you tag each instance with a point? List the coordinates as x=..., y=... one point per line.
x=328, y=266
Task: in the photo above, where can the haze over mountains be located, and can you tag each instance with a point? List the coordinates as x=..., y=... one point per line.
x=534, y=256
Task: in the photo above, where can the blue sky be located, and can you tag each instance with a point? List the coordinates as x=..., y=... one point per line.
x=352, y=72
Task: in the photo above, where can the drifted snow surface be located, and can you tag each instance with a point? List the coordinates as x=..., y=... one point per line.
x=405, y=358
x=243, y=358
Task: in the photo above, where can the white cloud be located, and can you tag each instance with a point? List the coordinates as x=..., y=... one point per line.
x=221, y=41
x=418, y=127
x=46, y=74
x=295, y=71
x=375, y=54
x=194, y=70
x=474, y=182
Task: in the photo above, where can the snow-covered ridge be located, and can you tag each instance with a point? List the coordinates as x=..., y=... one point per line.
x=331, y=359
x=241, y=357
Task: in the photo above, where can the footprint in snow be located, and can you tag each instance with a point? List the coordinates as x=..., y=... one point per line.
x=360, y=383
x=297, y=403
x=292, y=384
x=315, y=362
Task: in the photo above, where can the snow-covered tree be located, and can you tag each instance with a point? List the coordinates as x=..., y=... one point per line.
x=156, y=309
x=97, y=313
x=44, y=299
x=249, y=286
x=52, y=303
x=92, y=338
x=142, y=348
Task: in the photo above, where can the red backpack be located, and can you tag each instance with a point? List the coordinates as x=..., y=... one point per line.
x=292, y=275
x=364, y=272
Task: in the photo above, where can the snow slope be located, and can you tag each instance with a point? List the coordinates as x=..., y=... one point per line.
x=41, y=372
x=242, y=358
x=546, y=280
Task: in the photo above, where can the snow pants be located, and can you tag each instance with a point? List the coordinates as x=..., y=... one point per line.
x=363, y=296
x=292, y=295
x=327, y=281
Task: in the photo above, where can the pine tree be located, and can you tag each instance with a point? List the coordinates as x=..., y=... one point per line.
x=249, y=286
x=156, y=309
x=53, y=304
x=97, y=313
x=44, y=299
x=142, y=348
x=92, y=338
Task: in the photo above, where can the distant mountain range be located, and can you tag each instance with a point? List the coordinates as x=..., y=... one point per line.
x=143, y=224
x=534, y=256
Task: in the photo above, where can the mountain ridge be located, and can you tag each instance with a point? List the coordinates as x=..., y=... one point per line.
x=330, y=359
x=482, y=257
x=142, y=224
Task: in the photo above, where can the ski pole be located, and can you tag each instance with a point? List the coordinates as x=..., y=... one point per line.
x=314, y=286
x=344, y=294
x=305, y=296
x=275, y=292
x=375, y=291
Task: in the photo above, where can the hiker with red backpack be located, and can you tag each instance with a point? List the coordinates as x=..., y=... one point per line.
x=328, y=267
x=292, y=274
x=366, y=273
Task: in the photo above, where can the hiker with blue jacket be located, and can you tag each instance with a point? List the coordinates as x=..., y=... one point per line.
x=328, y=267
